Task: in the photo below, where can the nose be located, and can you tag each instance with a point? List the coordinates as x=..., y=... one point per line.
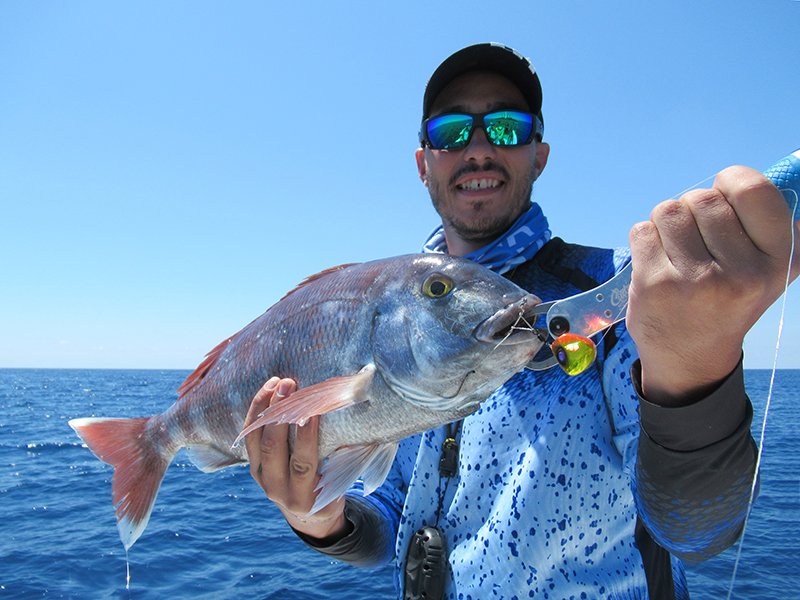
x=479, y=147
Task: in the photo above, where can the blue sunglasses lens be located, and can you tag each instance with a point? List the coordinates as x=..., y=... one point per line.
x=504, y=128
x=508, y=128
x=449, y=131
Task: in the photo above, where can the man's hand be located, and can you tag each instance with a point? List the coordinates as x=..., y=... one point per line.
x=289, y=476
x=705, y=268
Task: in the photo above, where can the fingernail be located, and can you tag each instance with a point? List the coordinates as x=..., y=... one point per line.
x=283, y=389
x=271, y=384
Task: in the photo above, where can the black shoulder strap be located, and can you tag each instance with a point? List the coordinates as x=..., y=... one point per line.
x=550, y=259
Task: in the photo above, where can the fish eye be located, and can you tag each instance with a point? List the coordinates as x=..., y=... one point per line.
x=437, y=286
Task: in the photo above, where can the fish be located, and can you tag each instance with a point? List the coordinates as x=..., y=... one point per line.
x=381, y=350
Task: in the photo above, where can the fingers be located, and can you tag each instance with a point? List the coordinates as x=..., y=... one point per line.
x=743, y=220
x=261, y=401
x=288, y=474
x=705, y=267
x=761, y=209
x=267, y=447
x=698, y=230
x=304, y=459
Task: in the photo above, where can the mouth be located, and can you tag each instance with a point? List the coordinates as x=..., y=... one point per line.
x=483, y=178
x=513, y=324
x=474, y=184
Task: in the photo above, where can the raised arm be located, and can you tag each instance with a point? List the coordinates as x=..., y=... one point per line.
x=705, y=268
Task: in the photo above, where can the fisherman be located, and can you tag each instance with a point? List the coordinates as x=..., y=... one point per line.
x=594, y=486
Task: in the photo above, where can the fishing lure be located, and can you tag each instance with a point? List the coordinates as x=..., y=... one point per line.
x=590, y=312
x=574, y=352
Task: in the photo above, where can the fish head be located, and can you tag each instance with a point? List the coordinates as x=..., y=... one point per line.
x=447, y=332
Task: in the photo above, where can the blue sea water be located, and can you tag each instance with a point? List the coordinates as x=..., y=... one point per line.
x=215, y=536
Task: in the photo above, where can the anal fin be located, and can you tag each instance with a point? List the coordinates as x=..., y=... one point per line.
x=209, y=459
x=371, y=464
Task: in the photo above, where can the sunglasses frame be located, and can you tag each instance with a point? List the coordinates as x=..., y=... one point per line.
x=536, y=128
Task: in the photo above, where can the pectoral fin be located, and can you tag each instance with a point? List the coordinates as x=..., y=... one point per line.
x=347, y=464
x=325, y=397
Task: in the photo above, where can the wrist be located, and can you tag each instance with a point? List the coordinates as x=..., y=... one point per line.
x=324, y=531
x=676, y=383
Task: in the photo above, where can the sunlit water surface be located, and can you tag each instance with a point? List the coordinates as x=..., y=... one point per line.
x=215, y=536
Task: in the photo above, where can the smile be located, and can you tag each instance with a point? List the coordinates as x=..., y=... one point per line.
x=479, y=184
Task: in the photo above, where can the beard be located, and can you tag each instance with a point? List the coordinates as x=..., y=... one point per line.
x=481, y=227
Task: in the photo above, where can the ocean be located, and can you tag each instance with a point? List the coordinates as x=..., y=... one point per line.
x=215, y=536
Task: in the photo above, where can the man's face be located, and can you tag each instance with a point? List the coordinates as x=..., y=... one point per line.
x=481, y=189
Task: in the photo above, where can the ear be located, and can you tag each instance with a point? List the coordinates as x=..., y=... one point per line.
x=422, y=167
x=540, y=161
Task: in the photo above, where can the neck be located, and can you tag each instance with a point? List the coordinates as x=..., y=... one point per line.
x=457, y=246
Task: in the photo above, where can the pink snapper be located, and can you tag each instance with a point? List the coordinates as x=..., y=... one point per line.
x=382, y=350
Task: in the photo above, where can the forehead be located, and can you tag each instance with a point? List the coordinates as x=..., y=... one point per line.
x=478, y=92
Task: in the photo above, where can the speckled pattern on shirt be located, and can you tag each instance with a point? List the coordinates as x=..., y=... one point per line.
x=542, y=505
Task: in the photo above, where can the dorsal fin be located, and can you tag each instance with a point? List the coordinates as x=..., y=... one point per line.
x=317, y=276
x=200, y=372
x=211, y=358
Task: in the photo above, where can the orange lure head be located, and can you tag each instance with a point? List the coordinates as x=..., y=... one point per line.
x=573, y=352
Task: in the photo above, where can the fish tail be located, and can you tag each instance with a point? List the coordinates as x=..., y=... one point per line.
x=139, y=466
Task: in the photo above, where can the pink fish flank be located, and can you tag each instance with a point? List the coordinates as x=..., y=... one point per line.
x=382, y=350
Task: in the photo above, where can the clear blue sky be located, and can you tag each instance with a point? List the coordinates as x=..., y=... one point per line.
x=168, y=170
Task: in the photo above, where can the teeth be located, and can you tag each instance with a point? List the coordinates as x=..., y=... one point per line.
x=479, y=184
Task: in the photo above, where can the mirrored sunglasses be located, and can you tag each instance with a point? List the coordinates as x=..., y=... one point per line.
x=503, y=128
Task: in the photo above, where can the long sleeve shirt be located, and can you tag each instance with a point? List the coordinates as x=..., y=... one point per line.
x=569, y=487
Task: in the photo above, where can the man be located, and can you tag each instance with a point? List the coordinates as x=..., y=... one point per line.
x=593, y=486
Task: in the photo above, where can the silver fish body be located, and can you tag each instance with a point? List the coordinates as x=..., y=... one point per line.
x=381, y=350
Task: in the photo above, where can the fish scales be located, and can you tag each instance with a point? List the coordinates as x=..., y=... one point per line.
x=380, y=350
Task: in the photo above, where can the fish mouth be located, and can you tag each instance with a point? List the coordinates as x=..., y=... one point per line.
x=513, y=324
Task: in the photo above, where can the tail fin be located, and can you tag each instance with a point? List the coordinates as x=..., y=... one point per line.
x=139, y=468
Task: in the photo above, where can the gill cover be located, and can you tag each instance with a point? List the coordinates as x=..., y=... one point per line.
x=422, y=334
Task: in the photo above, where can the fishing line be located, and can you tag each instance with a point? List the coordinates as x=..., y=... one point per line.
x=514, y=327
x=757, y=470
x=691, y=187
x=618, y=317
x=767, y=404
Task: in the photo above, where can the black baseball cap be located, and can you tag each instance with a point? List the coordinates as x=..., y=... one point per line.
x=487, y=57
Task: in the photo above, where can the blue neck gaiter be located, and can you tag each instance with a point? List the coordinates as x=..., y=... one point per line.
x=517, y=245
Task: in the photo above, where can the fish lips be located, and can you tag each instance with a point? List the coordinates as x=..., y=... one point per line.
x=513, y=324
